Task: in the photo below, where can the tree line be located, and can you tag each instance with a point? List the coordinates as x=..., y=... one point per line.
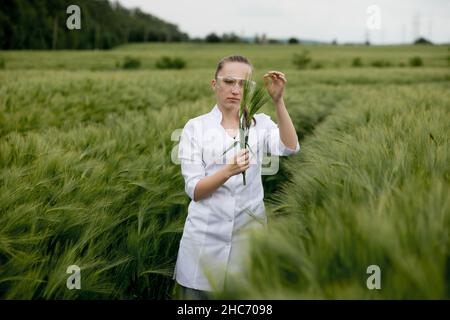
x=41, y=24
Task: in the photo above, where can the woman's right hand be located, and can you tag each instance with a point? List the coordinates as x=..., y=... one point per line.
x=239, y=163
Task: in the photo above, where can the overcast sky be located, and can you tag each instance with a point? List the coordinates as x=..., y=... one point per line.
x=325, y=20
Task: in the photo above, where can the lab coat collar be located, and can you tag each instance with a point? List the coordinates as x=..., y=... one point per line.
x=216, y=114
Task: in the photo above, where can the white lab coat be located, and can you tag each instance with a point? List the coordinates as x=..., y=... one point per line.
x=214, y=238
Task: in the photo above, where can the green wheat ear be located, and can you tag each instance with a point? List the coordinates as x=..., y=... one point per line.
x=252, y=101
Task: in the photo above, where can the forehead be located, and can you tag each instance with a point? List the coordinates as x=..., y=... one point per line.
x=235, y=69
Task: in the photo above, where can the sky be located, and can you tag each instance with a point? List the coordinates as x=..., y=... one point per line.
x=381, y=21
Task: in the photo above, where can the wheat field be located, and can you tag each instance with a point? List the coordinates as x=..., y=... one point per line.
x=86, y=176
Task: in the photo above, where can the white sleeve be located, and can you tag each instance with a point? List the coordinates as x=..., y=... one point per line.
x=190, y=156
x=272, y=140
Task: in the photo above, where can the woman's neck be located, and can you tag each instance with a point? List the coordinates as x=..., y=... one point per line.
x=230, y=117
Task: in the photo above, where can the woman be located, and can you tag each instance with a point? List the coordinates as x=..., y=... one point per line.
x=223, y=209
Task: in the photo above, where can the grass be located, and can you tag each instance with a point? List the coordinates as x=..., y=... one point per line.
x=204, y=56
x=86, y=176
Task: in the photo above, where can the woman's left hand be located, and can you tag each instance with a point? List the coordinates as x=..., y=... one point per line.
x=275, y=88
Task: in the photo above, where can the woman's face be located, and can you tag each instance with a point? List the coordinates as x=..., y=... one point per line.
x=229, y=95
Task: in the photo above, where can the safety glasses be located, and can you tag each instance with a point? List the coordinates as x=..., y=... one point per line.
x=231, y=82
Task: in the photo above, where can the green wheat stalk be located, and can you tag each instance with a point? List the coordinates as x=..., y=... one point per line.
x=252, y=101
